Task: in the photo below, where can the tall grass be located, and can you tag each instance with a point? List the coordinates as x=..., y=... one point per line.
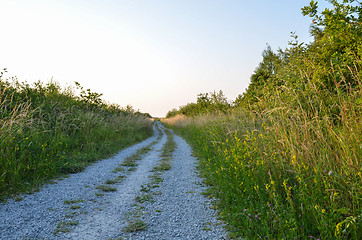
x=47, y=131
x=292, y=171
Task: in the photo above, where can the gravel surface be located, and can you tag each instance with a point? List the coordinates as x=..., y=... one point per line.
x=74, y=208
x=180, y=211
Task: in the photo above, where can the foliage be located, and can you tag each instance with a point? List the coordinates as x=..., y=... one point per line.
x=46, y=131
x=285, y=162
x=206, y=103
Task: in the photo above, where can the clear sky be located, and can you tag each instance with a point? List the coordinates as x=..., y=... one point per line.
x=152, y=54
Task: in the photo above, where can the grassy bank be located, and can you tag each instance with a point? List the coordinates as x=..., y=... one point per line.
x=280, y=179
x=284, y=158
x=47, y=131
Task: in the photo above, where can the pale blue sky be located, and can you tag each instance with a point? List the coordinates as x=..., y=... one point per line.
x=152, y=54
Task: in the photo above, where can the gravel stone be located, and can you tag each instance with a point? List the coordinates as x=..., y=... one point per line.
x=181, y=211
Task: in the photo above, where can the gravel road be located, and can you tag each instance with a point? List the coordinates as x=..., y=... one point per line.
x=78, y=207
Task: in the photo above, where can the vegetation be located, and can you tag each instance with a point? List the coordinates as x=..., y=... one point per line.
x=206, y=103
x=285, y=161
x=47, y=131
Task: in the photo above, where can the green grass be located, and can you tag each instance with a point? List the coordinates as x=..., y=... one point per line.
x=131, y=161
x=156, y=178
x=135, y=226
x=134, y=220
x=145, y=188
x=278, y=178
x=65, y=226
x=166, y=154
x=73, y=207
x=112, y=181
x=118, y=169
x=73, y=201
x=144, y=198
x=107, y=188
x=164, y=165
x=99, y=194
x=47, y=132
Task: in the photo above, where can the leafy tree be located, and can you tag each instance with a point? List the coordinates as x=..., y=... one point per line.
x=206, y=103
x=263, y=80
x=172, y=113
x=338, y=41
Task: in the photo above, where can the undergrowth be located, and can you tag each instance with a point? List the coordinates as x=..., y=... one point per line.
x=285, y=160
x=47, y=131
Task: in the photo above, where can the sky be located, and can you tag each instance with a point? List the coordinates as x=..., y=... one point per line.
x=152, y=54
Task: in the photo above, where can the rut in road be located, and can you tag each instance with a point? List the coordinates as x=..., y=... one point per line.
x=108, y=200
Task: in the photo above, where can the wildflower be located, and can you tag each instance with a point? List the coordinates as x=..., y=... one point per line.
x=338, y=229
x=244, y=210
x=330, y=173
x=269, y=205
x=249, y=215
x=256, y=217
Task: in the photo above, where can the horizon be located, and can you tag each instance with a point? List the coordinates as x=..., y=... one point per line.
x=154, y=56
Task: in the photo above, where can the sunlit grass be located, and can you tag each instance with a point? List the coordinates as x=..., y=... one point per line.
x=282, y=174
x=47, y=131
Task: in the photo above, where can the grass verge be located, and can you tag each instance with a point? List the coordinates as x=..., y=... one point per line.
x=281, y=179
x=47, y=132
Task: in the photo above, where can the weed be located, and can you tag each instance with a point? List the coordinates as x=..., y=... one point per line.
x=135, y=226
x=156, y=178
x=99, y=194
x=47, y=131
x=118, y=169
x=106, y=188
x=112, y=181
x=129, y=164
x=73, y=201
x=145, y=188
x=120, y=177
x=64, y=226
x=144, y=198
